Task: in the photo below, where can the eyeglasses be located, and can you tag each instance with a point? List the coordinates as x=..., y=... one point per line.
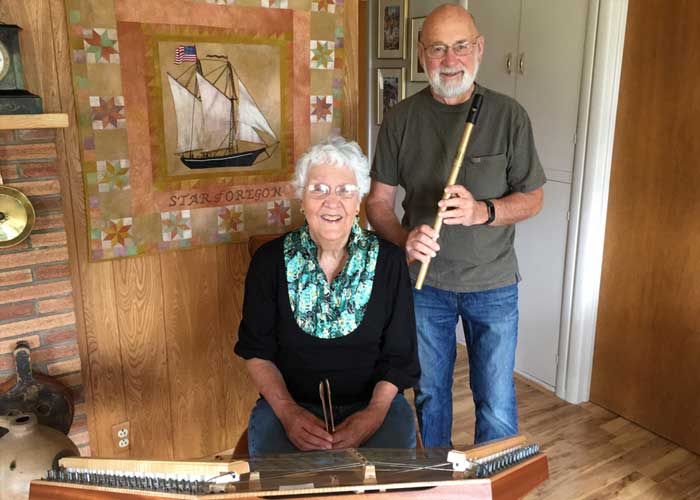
x=439, y=50
x=319, y=190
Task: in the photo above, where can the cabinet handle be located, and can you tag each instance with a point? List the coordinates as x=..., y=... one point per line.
x=509, y=63
x=521, y=63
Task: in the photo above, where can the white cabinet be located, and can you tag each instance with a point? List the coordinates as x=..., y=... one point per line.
x=534, y=52
x=540, y=244
x=499, y=24
x=552, y=36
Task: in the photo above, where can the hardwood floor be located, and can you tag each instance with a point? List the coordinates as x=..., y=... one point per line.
x=593, y=453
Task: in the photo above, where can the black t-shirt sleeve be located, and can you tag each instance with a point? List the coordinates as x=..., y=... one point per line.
x=256, y=334
x=398, y=359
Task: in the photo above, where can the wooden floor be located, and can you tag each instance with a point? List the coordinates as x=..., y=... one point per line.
x=593, y=453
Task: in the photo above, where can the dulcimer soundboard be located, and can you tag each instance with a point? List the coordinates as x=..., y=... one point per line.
x=501, y=470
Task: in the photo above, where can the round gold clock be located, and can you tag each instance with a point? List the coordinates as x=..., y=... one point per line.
x=4, y=60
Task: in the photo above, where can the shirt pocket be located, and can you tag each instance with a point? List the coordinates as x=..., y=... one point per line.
x=485, y=176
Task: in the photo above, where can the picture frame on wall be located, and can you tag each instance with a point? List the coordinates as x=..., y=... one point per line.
x=391, y=23
x=391, y=88
x=418, y=73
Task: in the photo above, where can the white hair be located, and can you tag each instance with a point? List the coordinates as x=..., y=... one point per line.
x=338, y=152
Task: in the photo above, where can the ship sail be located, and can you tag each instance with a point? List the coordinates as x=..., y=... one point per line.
x=188, y=114
x=250, y=118
x=217, y=125
x=217, y=115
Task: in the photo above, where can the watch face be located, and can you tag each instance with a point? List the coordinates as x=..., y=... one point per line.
x=4, y=61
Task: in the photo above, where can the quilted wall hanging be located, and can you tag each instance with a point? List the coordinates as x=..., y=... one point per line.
x=192, y=114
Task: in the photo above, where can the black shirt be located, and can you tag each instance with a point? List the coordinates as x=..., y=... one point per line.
x=383, y=347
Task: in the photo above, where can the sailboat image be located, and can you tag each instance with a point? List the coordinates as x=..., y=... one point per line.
x=218, y=122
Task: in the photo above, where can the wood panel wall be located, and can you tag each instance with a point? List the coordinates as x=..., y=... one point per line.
x=156, y=332
x=648, y=333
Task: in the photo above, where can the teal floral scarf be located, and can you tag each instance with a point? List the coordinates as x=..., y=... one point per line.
x=332, y=310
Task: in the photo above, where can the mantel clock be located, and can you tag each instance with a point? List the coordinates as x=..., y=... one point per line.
x=14, y=100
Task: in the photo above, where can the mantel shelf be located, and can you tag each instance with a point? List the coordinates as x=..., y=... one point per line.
x=44, y=120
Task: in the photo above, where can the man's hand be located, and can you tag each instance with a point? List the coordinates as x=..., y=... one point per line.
x=358, y=428
x=304, y=430
x=461, y=208
x=421, y=244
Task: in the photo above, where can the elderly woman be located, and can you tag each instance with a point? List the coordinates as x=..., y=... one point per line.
x=329, y=301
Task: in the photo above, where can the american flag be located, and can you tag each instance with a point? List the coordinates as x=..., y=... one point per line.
x=185, y=53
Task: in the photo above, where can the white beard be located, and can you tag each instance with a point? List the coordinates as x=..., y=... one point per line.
x=452, y=89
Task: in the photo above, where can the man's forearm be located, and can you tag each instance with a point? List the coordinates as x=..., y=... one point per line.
x=384, y=221
x=517, y=207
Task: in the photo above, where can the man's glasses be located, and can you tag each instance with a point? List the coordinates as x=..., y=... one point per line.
x=439, y=50
x=320, y=190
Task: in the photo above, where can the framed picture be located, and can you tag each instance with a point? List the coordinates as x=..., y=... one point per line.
x=418, y=74
x=391, y=24
x=390, y=89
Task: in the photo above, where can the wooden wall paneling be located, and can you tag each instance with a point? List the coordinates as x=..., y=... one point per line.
x=102, y=336
x=195, y=345
x=144, y=356
x=350, y=90
x=240, y=392
x=98, y=324
x=648, y=332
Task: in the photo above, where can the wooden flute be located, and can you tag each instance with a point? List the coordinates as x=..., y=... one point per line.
x=472, y=116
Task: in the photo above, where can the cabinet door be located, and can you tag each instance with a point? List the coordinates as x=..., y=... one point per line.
x=552, y=36
x=499, y=23
x=540, y=245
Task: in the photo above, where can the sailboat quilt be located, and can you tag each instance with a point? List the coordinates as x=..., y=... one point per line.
x=192, y=113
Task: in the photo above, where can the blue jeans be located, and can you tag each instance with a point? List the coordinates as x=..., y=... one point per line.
x=490, y=320
x=267, y=435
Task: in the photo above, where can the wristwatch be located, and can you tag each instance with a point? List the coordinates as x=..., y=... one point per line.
x=491, y=210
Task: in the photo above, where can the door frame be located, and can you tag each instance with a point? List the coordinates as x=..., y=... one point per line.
x=589, y=196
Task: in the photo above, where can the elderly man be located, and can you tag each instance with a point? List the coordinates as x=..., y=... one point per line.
x=473, y=268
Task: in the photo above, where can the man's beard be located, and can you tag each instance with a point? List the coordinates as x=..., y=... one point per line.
x=452, y=89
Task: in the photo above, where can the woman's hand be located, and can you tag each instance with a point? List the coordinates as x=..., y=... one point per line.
x=358, y=428
x=304, y=430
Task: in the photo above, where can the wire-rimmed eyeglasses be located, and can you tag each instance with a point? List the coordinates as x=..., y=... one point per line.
x=319, y=190
x=439, y=50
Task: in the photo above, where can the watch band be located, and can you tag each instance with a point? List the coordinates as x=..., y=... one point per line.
x=491, y=211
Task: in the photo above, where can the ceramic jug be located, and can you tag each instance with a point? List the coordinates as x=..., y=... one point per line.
x=27, y=450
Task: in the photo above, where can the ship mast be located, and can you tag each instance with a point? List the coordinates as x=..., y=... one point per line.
x=232, y=142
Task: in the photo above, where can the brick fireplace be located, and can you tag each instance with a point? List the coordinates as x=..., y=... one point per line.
x=36, y=295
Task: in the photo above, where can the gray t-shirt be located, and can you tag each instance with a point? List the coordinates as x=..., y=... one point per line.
x=416, y=146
